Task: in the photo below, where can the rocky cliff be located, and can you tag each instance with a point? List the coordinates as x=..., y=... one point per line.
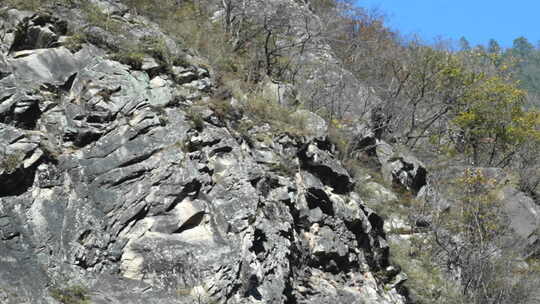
x=121, y=184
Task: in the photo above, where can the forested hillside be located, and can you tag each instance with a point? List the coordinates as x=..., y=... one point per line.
x=523, y=58
x=455, y=109
x=261, y=151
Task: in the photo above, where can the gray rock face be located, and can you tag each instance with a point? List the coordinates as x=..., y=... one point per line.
x=523, y=212
x=325, y=167
x=312, y=122
x=401, y=168
x=281, y=93
x=107, y=183
x=37, y=32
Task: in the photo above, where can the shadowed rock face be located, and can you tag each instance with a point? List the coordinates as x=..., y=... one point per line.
x=105, y=182
x=38, y=32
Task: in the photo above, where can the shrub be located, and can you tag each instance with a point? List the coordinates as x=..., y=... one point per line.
x=74, y=42
x=34, y=5
x=196, y=118
x=133, y=54
x=132, y=57
x=31, y=5
x=10, y=162
x=75, y=294
x=157, y=48
x=280, y=118
x=337, y=137
x=96, y=17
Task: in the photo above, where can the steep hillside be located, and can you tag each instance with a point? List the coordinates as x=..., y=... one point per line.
x=251, y=151
x=135, y=176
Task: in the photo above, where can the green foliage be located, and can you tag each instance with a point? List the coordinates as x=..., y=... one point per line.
x=155, y=47
x=524, y=63
x=472, y=90
x=280, y=118
x=469, y=106
x=130, y=56
x=96, y=17
x=10, y=162
x=75, y=294
x=189, y=25
x=31, y=5
x=74, y=42
x=494, y=47
x=490, y=110
x=245, y=49
x=428, y=91
x=477, y=215
x=338, y=138
x=527, y=68
x=522, y=47
x=284, y=166
x=196, y=118
x=35, y=5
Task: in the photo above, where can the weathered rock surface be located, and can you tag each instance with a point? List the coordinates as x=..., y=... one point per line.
x=401, y=168
x=281, y=93
x=106, y=182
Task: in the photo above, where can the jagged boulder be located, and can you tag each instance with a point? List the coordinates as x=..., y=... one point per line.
x=325, y=167
x=20, y=156
x=38, y=32
x=280, y=93
x=401, y=168
x=315, y=125
x=524, y=216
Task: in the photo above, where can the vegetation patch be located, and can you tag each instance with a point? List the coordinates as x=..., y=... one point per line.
x=35, y=5
x=10, y=162
x=425, y=280
x=96, y=17
x=130, y=56
x=75, y=294
x=75, y=41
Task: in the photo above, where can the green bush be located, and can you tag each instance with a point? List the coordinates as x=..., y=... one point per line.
x=34, y=5
x=133, y=54
x=157, y=48
x=282, y=119
x=75, y=294
x=10, y=162
x=132, y=57
x=95, y=16
x=74, y=42
x=196, y=119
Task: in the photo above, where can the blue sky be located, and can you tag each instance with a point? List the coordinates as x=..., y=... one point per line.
x=476, y=20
